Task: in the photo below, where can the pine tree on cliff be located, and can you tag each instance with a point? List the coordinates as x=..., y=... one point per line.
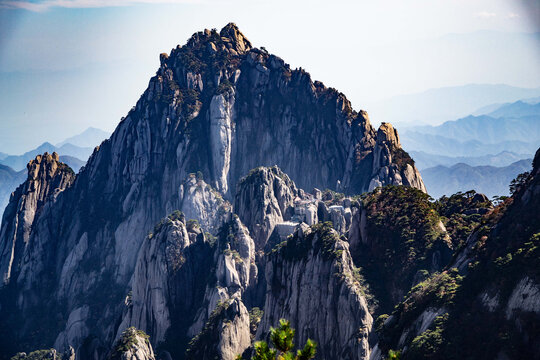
x=282, y=339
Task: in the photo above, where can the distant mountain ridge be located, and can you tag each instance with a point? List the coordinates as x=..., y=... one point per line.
x=74, y=150
x=517, y=109
x=425, y=160
x=488, y=129
x=435, y=106
x=90, y=137
x=489, y=180
x=18, y=162
x=441, y=145
x=513, y=127
x=486, y=110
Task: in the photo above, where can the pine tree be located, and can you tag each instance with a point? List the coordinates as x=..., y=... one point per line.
x=282, y=339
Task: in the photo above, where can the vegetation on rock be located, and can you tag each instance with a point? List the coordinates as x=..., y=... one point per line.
x=479, y=316
x=128, y=341
x=283, y=346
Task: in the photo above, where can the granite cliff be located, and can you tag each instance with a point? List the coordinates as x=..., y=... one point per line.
x=167, y=229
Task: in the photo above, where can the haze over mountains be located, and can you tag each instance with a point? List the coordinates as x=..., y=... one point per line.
x=89, y=138
x=78, y=147
x=435, y=106
x=489, y=180
x=516, y=122
x=480, y=152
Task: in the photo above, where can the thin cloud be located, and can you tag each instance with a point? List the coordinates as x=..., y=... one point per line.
x=75, y=4
x=513, y=16
x=486, y=15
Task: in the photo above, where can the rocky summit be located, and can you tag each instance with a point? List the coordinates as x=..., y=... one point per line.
x=238, y=192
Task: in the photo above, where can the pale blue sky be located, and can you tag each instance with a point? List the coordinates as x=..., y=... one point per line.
x=66, y=65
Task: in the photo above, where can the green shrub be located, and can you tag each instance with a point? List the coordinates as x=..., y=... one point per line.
x=282, y=340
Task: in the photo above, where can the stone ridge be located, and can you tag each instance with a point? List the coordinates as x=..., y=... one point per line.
x=47, y=178
x=263, y=198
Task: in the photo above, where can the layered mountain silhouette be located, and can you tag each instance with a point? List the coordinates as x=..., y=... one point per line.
x=489, y=180
x=470, y=153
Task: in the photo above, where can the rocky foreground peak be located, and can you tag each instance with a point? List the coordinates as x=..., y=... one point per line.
x=79, y=246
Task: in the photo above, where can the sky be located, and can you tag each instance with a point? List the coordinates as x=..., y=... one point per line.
x=66, y=65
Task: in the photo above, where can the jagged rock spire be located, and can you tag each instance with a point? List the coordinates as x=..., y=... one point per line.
x=235, y=37
x=47, y=177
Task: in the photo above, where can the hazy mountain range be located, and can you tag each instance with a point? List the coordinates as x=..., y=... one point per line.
x=89, y=138
x=78, y=148
x=435, y=106
x=513, y=122
x=504, y=158
x=479, y=152
x=488, y=180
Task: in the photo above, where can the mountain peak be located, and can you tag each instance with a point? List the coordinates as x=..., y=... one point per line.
x=387, y=133
x=233, y=33
x=229, y=40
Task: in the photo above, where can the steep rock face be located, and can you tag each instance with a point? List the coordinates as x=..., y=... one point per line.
x=225, y=335
x=493, y=283
x=310, y=282
x=235, y=271
x=200, y=201
x=215, y=105
x=221, y=134
x=47, y=177
x=168, y=282
x=263, y=199
x=311, y=124
x=182, y=281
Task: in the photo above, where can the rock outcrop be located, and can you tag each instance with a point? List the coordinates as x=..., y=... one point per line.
x=9, y=181
x=169, y=279
x=392, y=165
x=226, y=334
x=264, y=198
x=311, y=282
x=235, y=271
x=47, y=178
x=200, y=201
x=133, y=345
